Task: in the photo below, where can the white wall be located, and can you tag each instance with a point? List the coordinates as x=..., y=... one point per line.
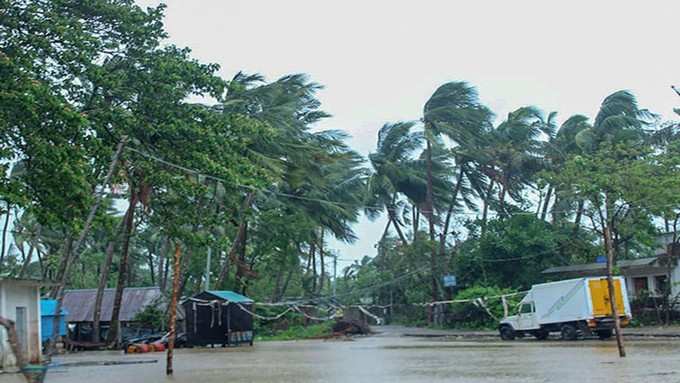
x=15, y=294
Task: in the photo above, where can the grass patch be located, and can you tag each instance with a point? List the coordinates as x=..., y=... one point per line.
x=300, y=332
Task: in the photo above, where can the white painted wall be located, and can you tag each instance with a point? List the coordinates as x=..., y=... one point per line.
x=15, y=294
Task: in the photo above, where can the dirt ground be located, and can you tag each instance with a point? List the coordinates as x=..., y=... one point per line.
x=388, y=357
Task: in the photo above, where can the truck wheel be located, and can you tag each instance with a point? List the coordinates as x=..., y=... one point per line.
x=507, y=333
x=541, y=334
x=604, y=334
x=569, y=332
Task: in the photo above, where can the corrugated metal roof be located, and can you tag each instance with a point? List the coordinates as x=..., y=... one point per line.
x=625, y=263
x=230, y=296
x=80, y=303
x=49, y=306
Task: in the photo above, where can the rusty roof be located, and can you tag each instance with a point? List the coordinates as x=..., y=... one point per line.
x=80, y=303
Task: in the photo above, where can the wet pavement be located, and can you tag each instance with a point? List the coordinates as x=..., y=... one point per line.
x=389, y=357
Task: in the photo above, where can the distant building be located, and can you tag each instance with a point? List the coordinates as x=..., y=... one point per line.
x=80, y=307
x=641, y=274
x=20, y=302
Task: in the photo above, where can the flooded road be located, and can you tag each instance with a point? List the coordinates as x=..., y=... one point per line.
x=389, y=357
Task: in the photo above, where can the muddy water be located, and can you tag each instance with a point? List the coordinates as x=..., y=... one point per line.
x=391, y=358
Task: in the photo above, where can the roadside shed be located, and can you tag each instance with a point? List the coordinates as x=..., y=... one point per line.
x=218, y=317
x=80, y=311
x=20, y=302
x=48, y=308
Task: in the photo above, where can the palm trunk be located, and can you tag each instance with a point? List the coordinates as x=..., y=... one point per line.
x=4, y=233
x=544, y=212
x=151, y=268
x=240, y=235
x=322, y=265
x=400, y=233
x=161, y=264
x=485, y=210
x=416, y=221
x=501, y=199
x=103, y=279
x=386, y=231
x=286, y=282
x=27, y=261
x=579, y=215
x=430, y=216
x=122, y=269
x=240, y=280
x=172, y=321
x=314, y=275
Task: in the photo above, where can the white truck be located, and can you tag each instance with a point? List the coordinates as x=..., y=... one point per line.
x=573, y=307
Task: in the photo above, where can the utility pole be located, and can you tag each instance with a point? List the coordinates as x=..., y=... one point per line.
x=207, y=269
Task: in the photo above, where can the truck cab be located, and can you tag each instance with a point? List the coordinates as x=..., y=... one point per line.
x=523, y=322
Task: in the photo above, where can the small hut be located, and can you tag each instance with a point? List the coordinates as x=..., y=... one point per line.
x=218, y=317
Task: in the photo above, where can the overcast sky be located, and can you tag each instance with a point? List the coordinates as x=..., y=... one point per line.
x=380, y=60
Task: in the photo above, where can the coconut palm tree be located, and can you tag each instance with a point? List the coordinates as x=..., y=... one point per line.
x=394, y=174
x=454, y=112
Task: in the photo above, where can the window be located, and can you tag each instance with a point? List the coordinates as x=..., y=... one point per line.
x=640, y=284
x=661, y=285
x=526, y=308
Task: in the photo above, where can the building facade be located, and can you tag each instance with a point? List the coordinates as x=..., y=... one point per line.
x=20, y=302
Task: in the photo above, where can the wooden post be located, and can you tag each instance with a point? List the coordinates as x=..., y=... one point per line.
x=173, y=309
x=612, y=293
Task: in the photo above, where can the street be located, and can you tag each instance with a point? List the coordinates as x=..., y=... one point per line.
x=387, y=357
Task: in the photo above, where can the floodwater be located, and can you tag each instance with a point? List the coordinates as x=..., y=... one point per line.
x=390, y=357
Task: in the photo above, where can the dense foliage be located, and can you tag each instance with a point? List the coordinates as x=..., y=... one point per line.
x=244, y=175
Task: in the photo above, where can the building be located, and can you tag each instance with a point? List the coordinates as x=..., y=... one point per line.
x=48, y=308
x=218, y=317
x=20, y=302
x=79, y=305
x=642, y=274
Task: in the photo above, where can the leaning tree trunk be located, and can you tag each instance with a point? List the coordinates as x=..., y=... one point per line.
x=122, y=269
x=609, y=247
x=172, y=321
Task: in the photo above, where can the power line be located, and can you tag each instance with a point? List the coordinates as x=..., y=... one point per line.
x=313, y=199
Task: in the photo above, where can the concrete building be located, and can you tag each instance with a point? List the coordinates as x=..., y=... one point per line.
x=20, y=302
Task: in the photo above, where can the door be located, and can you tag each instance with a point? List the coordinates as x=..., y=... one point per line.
x=599, y=293
x=526, y=317
x=21, y=325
